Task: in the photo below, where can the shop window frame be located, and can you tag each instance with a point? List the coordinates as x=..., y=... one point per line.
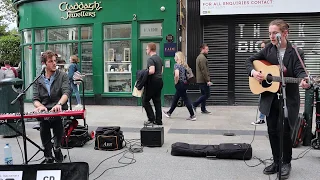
x=116, y=94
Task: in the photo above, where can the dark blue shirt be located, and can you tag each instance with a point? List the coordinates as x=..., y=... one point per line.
x=72, y=68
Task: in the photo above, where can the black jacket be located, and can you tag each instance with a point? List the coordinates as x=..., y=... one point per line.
x=59, y=87
x=294, y=69
x=142, y=77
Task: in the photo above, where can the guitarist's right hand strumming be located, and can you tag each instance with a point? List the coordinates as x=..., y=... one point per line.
x=257, y=75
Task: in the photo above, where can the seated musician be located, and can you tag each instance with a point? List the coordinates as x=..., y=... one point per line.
x=51, y=92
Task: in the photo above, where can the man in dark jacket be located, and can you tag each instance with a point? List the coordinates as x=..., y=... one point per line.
x=50, y=93
x=269, y=103
x=203, y=79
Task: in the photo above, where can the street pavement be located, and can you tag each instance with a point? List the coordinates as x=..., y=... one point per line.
x=157, y=162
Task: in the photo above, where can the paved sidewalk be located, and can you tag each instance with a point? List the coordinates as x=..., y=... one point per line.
x=157, y=163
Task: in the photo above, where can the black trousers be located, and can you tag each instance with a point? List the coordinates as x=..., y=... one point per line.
x=153, y=91
x=273, y=123
x=45, y=134
x=181, y=91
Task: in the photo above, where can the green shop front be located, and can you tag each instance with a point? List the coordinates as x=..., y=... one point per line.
x=109, y=37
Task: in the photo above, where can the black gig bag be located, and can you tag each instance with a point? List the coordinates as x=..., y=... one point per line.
x=241, y=151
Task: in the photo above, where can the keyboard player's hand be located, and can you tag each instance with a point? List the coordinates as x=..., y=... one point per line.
x=40, y=108
x=56, y=108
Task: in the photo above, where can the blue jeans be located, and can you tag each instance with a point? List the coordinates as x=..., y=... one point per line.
x=181, y=91
x=205, y=94
x=76, y=91
x=262, y=116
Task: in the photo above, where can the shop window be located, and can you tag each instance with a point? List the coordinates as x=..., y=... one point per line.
x=117, y=31
x=27, y=36
x=117, y=58
x=86, y=65
x=39, y=50
x=63, y=34
x=151, y=30
x=28, y=69
x=39, y=35
x=86, y=33
x=64, y=51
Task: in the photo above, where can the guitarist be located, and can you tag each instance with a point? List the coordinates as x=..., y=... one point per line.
x=269, y=103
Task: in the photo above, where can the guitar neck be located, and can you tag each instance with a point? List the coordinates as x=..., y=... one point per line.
x=286, y=79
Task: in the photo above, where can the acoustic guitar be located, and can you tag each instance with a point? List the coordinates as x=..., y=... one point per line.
x=271, y=80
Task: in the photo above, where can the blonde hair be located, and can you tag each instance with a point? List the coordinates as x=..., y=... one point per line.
x=74, y=59
x=181, y=59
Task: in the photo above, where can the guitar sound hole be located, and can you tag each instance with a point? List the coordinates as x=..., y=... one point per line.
x=264, y=84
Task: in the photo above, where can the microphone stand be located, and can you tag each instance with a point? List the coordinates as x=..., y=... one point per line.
x=20, y=98
x=283, y=110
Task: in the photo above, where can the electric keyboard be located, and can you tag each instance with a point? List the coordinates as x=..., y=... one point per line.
x=77, y=114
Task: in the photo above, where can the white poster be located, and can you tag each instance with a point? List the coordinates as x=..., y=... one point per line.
x=12, y=175
x=228, y=7
x=49, y=175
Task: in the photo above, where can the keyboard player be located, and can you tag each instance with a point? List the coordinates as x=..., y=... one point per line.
x=51, y=92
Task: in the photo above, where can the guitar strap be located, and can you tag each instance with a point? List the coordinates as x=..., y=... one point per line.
x=295, y=48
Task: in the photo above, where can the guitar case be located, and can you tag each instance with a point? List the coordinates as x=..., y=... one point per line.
x=240, y=151
x=299, y=131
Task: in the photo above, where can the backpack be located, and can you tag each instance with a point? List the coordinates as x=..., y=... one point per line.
x=8, y=72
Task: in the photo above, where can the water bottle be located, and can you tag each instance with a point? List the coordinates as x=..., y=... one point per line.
x=7, y=155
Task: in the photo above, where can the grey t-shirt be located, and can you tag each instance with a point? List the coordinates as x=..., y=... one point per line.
x=155, y=61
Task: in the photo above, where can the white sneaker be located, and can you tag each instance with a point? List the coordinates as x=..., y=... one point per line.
x=258, y=122
x=79, y=106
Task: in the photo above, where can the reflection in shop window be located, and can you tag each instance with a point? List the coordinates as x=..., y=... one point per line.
x=86, y=65
x=60, y=34
x=86, y=33
x=117, y=31
x=64, y=51
x=27, y=36
x=28, y=67
x=39, y=35
x=39, y=51
x=117, y=58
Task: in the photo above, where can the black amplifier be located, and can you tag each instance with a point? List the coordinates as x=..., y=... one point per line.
x=152, y=136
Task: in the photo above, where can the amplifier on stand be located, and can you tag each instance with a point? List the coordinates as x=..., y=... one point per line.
x=152, y=136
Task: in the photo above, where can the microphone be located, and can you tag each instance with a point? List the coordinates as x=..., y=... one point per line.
x=43, y=70
x=278, y=36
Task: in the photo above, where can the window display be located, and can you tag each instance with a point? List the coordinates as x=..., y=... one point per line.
x=117, y=66
x=117, y=58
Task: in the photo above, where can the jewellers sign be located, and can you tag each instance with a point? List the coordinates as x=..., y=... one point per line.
x=228, y=7
x=80, y=9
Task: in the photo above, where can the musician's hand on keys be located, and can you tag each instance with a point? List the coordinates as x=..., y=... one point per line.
x=56, y=108
x=258, y=76
x=40, y=108
x=304, y=83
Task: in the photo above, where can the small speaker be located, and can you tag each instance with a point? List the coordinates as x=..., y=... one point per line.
x=152, y=136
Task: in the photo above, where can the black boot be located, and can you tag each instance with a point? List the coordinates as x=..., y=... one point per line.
x=272, y=169
x=285, y=170
x=58, y=155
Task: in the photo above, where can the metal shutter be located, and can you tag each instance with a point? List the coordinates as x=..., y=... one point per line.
x=216, y=36
x=304, y=32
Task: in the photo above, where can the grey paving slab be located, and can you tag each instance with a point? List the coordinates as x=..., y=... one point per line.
x=159, y=164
